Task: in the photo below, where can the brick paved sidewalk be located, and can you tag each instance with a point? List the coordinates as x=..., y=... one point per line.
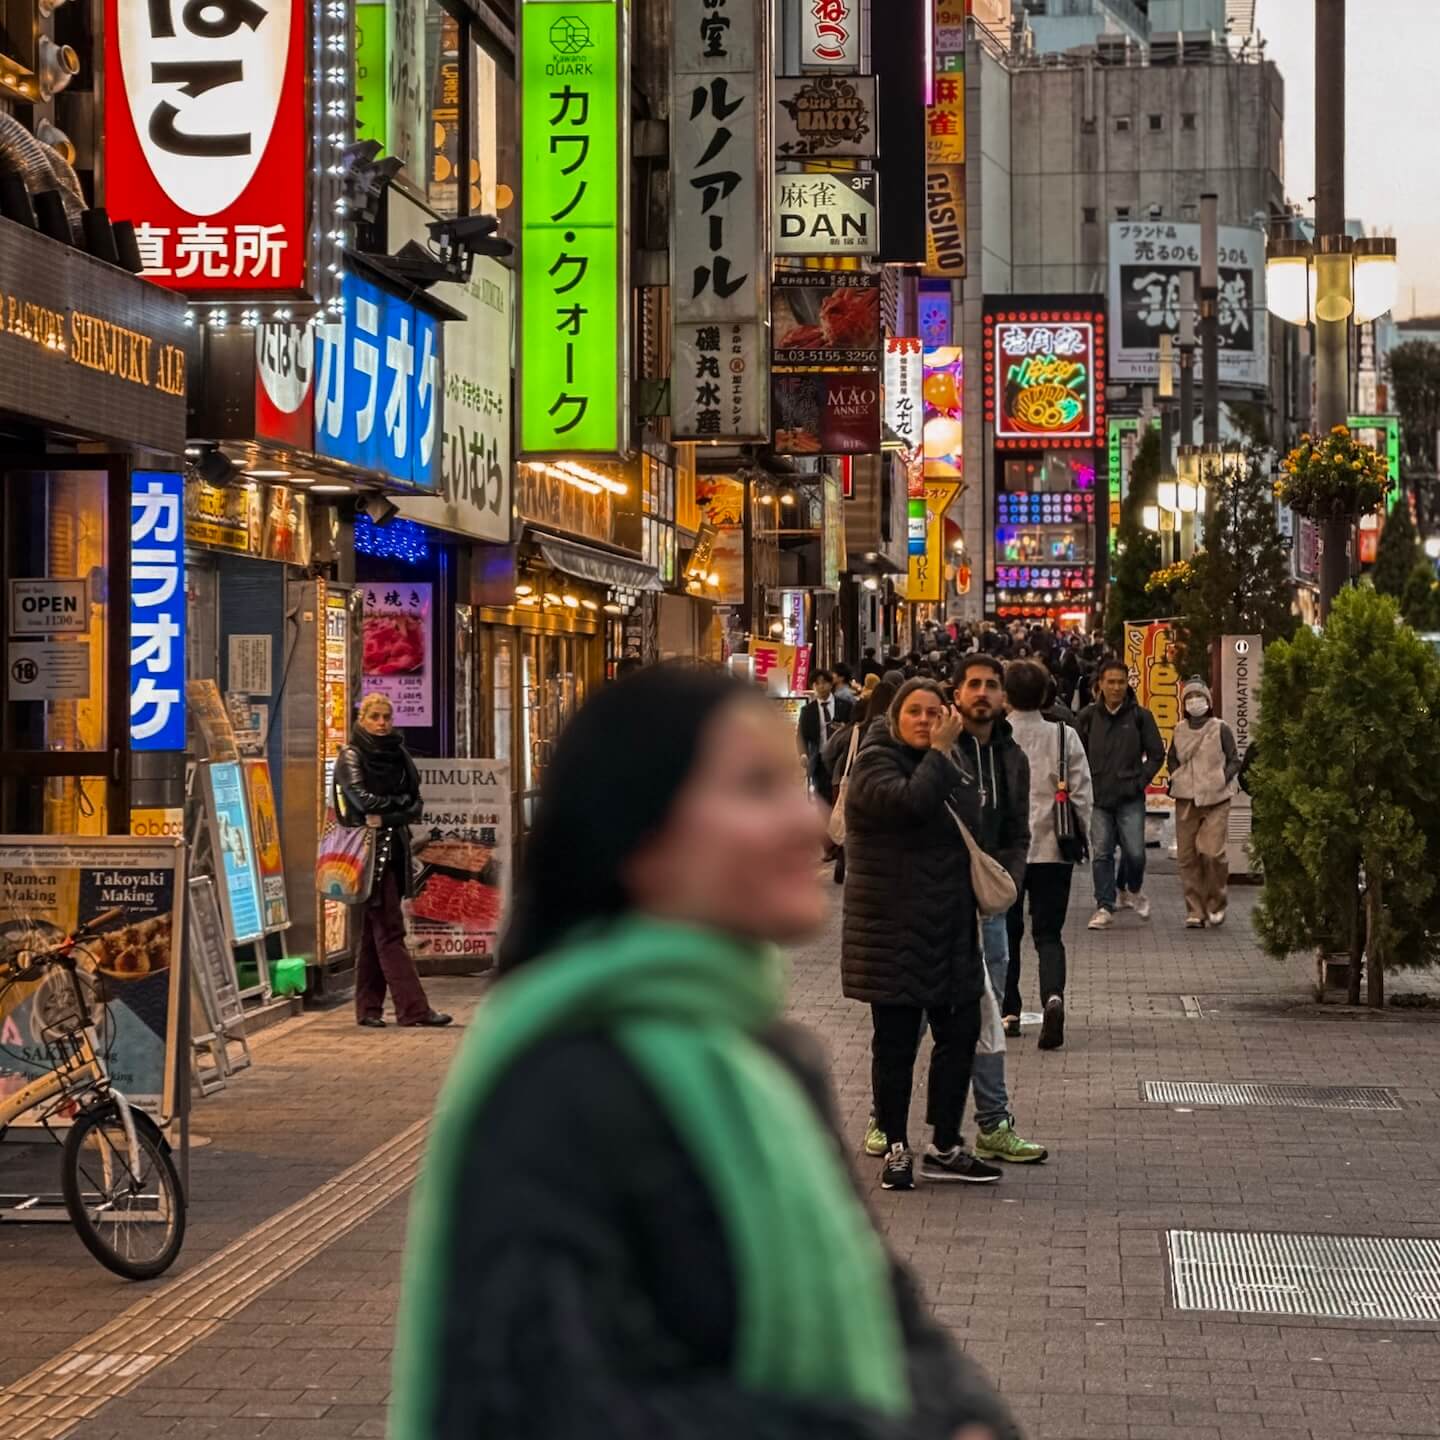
x=1055, y=1279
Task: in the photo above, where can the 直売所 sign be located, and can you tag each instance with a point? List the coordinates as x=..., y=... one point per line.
x=574, y=212
x=825, y=115
x=379, y=398
x=157, y=610
x=827, y=214
x=719, y=262
x=207, y=139
x=1147, y=260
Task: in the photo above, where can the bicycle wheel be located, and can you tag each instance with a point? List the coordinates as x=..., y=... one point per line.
x=132, y=1223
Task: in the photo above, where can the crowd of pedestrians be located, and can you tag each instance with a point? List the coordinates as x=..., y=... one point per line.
x=972, y=743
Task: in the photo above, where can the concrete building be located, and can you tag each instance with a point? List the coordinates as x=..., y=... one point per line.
x=1059, y=25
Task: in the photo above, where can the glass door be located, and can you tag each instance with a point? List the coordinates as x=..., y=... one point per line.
x=64, y=576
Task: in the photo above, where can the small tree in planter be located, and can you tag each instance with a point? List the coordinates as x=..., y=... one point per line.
x=1399, y=552
x=1345, y=784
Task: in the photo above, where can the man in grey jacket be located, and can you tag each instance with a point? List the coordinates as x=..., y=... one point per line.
x=1126, y=752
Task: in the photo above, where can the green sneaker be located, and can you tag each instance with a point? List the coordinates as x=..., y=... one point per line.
x=875, y=1142
x=1002, y=1143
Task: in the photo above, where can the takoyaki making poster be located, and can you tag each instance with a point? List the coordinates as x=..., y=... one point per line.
x=461, y=847
x=129, y=970
x=398, y=660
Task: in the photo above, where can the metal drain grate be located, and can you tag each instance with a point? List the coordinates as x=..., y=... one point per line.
x=1298, y=1097
x=1335, y=1276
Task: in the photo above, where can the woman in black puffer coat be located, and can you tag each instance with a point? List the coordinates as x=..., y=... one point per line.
x=911, y=945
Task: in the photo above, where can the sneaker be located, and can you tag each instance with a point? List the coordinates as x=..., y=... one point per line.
x=1102, y=919
x=1124, y=900
x=1140, y=905
x=899, y=1171
x=875, y=1142
x=1216, y=917
x=956, y=1164
x=1002, y=1143
x=1194, y=922
x=1012, y=1026
x=1052, y=1027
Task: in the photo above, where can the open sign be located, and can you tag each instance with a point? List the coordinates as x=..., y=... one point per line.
x=49, y=607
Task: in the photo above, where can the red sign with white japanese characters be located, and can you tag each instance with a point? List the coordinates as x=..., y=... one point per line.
x=1044, y=377
x=205, y=140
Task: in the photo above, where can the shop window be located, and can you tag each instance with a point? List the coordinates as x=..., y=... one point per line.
x=1189, y=120
x=1091, y=214
x=1122, y=212
x=1122, y=124
x=494, y=161
x=1157, y=123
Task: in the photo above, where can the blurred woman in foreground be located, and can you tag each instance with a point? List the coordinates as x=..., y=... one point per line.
x=634, y=1219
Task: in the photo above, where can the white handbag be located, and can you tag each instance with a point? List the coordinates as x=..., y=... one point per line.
x=994, y=888
x=992, y=1024
x=837, y=812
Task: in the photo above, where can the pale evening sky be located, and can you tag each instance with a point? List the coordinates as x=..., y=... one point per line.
x=1392, y=178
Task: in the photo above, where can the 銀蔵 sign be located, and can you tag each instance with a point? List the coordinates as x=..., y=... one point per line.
x=1044, y=382
x=157, y=610
x=206, y=139
x=574, y=198
x=719, y=267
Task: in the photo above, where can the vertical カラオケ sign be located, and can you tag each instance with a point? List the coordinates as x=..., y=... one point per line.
x=157, y=610
x=574, y=196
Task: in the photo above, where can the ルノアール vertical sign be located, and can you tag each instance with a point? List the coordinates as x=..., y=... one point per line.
x=206, y=140
x=574, y=199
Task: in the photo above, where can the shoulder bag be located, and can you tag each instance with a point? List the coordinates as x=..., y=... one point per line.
x=992, y=883
x=345, y=864
x=1069, y=836
x=837, y=812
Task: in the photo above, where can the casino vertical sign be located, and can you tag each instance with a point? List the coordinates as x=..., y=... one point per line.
x=574, y=242
x=206, y=142
x=720, y=128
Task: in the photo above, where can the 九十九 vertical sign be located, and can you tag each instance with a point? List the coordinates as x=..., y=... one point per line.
x=720, y=268
x=574, y=197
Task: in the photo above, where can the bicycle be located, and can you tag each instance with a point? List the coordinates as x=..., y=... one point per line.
x=118, y=1181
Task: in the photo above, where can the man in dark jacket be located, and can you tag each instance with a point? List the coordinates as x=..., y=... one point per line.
x=1126, y=752
x=819, y=719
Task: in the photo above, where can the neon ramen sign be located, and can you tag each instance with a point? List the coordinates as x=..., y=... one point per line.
x=1042, y=378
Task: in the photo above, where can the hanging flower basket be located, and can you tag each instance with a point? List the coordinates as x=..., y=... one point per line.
x=1171, y=580
x=1333, y=478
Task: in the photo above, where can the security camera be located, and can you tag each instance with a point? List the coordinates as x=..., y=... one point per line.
x=470, y=235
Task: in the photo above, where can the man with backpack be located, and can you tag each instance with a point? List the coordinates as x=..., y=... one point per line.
x=1123, y=744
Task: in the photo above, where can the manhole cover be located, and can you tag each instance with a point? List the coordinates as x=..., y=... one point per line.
x=1298, y=1097
x=1336, y=1276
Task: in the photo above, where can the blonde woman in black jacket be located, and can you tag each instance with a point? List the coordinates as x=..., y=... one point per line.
x=376, y=784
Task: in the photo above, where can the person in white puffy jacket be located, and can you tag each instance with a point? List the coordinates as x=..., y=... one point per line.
x=1048, y=872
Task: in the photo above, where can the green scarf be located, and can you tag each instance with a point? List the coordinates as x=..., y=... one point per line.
x=816, y=1312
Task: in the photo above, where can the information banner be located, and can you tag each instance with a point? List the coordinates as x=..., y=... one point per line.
x=49, y=884
x=574, y=201
x=398, y=662
x=237, y=878
x=1149, y=653
x=266, y=827
x=462, y=845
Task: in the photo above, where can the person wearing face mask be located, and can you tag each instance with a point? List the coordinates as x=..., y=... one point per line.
x=1204, y=766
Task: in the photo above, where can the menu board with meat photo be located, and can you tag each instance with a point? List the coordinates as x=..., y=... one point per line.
x=461, y=847
x=825, y=317
x=397, y=649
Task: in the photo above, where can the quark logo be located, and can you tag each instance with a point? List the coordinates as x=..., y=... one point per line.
x=203, y=80
x=570, y=35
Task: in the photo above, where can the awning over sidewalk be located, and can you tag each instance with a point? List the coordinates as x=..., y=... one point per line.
x=597, y=566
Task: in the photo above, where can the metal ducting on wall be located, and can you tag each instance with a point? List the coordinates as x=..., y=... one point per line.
x=23, y=155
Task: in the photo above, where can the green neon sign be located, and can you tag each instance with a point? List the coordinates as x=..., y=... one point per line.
x=573, y=130
x=371, y=86
x=1117, y=427
x=1390, y=425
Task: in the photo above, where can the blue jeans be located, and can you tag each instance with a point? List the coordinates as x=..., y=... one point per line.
x=1125, y=826
x=992, y=1101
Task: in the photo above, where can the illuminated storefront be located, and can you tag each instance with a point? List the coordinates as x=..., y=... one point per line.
x=1044, y=387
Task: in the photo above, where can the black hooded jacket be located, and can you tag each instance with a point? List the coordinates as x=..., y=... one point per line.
x=1125, y=749
x=910, y=935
